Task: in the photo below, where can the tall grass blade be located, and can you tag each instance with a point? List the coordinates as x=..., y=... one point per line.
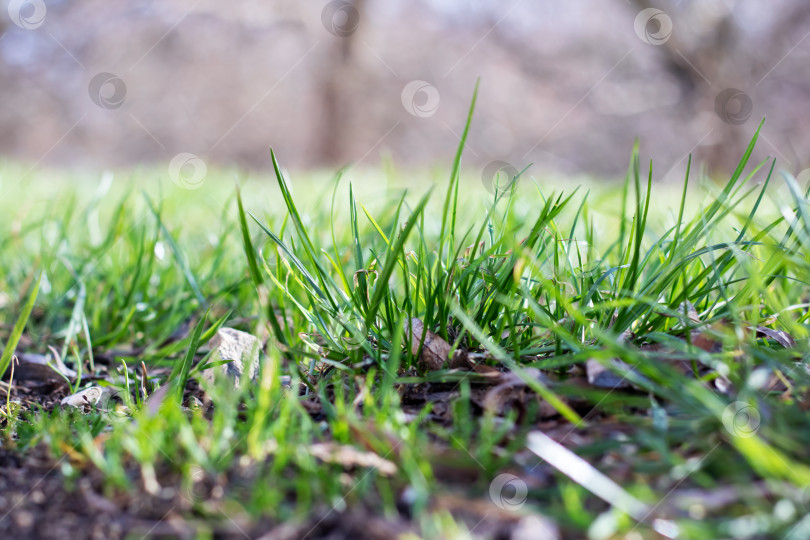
x=19, y=326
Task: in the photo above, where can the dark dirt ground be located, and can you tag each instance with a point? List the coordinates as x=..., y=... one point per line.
x=39, y=500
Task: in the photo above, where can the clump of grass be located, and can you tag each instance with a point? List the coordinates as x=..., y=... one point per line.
x=703, y=314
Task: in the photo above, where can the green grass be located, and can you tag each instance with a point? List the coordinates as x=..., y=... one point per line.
x=536, y=278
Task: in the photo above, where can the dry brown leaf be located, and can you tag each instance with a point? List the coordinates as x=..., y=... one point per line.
x=707, y=341
x=781, y=337
x=461, y=360
x=375, y=439
x=514, y=392
x=478, y=249
x=465, y=362
x=435, y=350
x=488, y=372
x=688, y=308
x=350, y=457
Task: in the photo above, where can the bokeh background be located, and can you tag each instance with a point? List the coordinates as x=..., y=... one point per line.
x=566, y=86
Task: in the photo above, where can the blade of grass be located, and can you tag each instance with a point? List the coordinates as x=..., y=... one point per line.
x=19, y=326
x=392, y=255
x=181, y=370
x=452, y=186
x=177, y=252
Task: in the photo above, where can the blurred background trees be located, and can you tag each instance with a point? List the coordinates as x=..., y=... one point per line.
x=566, y=86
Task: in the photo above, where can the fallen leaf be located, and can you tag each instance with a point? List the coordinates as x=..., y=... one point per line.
x=89, y=396
x=461, y=361
x=435, y=350
x=781, y=337
x=709, y=339
x=465, y=362
x=688, y=308
x=478, y=249
x=513, y=391
x=488, y=372
x=350, y=457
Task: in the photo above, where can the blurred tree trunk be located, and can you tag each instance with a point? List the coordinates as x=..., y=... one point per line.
x=712, y=63
x=700, y=67
x=8, y=134
x=336, y=108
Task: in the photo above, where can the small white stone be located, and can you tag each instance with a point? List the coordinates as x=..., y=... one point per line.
x=240, y=349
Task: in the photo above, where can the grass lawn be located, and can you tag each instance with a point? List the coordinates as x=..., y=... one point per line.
x=612, y=361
